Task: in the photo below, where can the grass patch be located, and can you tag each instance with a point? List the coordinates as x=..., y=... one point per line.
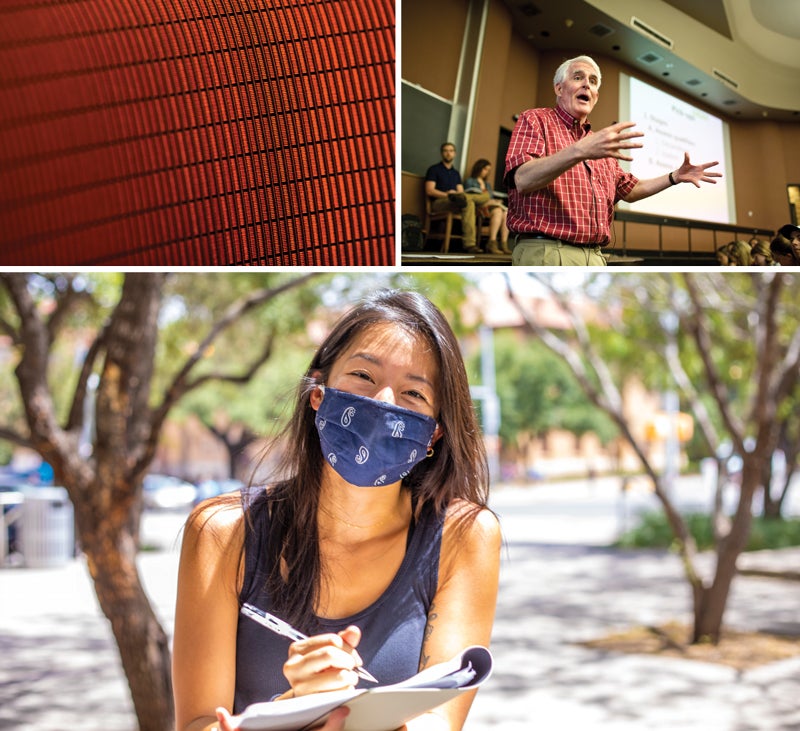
x=653, y=531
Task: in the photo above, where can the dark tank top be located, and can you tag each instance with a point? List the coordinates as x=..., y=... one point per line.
x=392, y=627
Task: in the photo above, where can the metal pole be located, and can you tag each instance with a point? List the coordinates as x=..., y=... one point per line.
x=491, y=403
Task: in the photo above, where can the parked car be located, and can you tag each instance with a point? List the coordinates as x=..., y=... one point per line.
x=212, y=488
x=165, y=492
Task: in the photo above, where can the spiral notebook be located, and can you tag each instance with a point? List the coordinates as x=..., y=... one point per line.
x=383, y=708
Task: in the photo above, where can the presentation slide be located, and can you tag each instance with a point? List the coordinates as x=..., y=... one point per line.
x=672, y=127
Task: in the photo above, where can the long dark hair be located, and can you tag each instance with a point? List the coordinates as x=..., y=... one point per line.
x=457, y=469
x=478, y=167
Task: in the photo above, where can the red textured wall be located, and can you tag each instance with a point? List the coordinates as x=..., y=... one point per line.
x=197, y=132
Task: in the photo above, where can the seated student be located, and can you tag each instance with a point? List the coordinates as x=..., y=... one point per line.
x=762, y=256
x=723, y=254
x=782, y=252
x=494, y=209
x=739, y=254
x=443, y=187
x=377, y=545
x=792, y=233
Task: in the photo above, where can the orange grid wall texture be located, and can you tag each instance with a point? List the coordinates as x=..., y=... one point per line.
x=197, y=132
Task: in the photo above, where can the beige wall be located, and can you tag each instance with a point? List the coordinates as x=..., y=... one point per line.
x=766, y=156
x=491, y=84
x=521, y=87
x=431, y=33
x=514, y=76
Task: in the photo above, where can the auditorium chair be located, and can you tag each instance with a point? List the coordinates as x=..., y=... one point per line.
x=448, y=217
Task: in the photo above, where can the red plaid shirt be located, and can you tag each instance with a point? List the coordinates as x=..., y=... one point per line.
x=578, y=206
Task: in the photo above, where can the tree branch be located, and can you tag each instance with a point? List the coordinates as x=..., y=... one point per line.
x=31, y=371
x=789, y=367
x=684, y=383
x=609, y=399
x=7, y=328
x=765, y=404
x=76, y=412
x=65, y=303
x=10, y=435
x=240, y=378
x=234, y=312
x=181, y=383
x=700, y=332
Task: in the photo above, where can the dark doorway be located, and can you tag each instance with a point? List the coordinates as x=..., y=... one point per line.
x=499, y=169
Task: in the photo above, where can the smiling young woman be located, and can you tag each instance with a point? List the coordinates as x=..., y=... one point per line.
x=375, y=535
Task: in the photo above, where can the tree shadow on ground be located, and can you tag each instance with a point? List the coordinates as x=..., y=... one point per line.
x=58, y=674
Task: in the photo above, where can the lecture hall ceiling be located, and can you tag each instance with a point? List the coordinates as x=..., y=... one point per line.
x=741, y=57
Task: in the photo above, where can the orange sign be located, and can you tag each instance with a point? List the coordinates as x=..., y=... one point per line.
x=657, y=428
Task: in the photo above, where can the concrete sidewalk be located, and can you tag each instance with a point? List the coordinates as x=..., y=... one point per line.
x=555, y=596
x=59, y=668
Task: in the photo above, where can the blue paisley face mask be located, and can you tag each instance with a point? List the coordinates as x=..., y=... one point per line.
x=369, y=442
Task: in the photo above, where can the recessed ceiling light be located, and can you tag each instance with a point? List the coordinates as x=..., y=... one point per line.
x=649, y=57
x=600, y=30
x=529, y=9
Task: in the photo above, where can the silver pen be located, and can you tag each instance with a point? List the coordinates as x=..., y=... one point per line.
x=278, y=626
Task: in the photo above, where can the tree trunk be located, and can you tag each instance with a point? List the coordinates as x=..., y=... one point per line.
x=772, y=506
x=235, y=437
x=111, y=550
x=709, y=608
x=720, y=525
x=773, y=503
x=123, y=450
x=231, y=461
x=105, y=487
x=710, y=602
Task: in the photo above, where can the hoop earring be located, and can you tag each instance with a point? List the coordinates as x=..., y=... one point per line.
x=429, y=453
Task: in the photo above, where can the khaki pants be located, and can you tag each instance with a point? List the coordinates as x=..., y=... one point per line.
x=467, y=214
x=553, y=253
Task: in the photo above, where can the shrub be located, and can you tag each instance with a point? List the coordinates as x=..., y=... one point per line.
x=653, y=531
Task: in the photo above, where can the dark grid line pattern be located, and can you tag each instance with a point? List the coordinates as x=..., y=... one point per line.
x=194, y=132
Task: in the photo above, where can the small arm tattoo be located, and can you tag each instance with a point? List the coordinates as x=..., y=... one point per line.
x=425, y=657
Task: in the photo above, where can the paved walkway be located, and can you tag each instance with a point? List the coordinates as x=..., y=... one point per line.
x=59, y=668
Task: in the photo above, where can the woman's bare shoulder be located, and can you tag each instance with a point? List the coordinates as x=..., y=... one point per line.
x=220, y=520
x=474, y=524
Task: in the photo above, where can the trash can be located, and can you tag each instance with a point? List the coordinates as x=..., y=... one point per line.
x=47, y=527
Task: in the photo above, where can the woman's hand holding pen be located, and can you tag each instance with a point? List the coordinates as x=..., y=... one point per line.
x=324, y=662
x=315, y=665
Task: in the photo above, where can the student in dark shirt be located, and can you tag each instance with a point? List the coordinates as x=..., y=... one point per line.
x=446, y=193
